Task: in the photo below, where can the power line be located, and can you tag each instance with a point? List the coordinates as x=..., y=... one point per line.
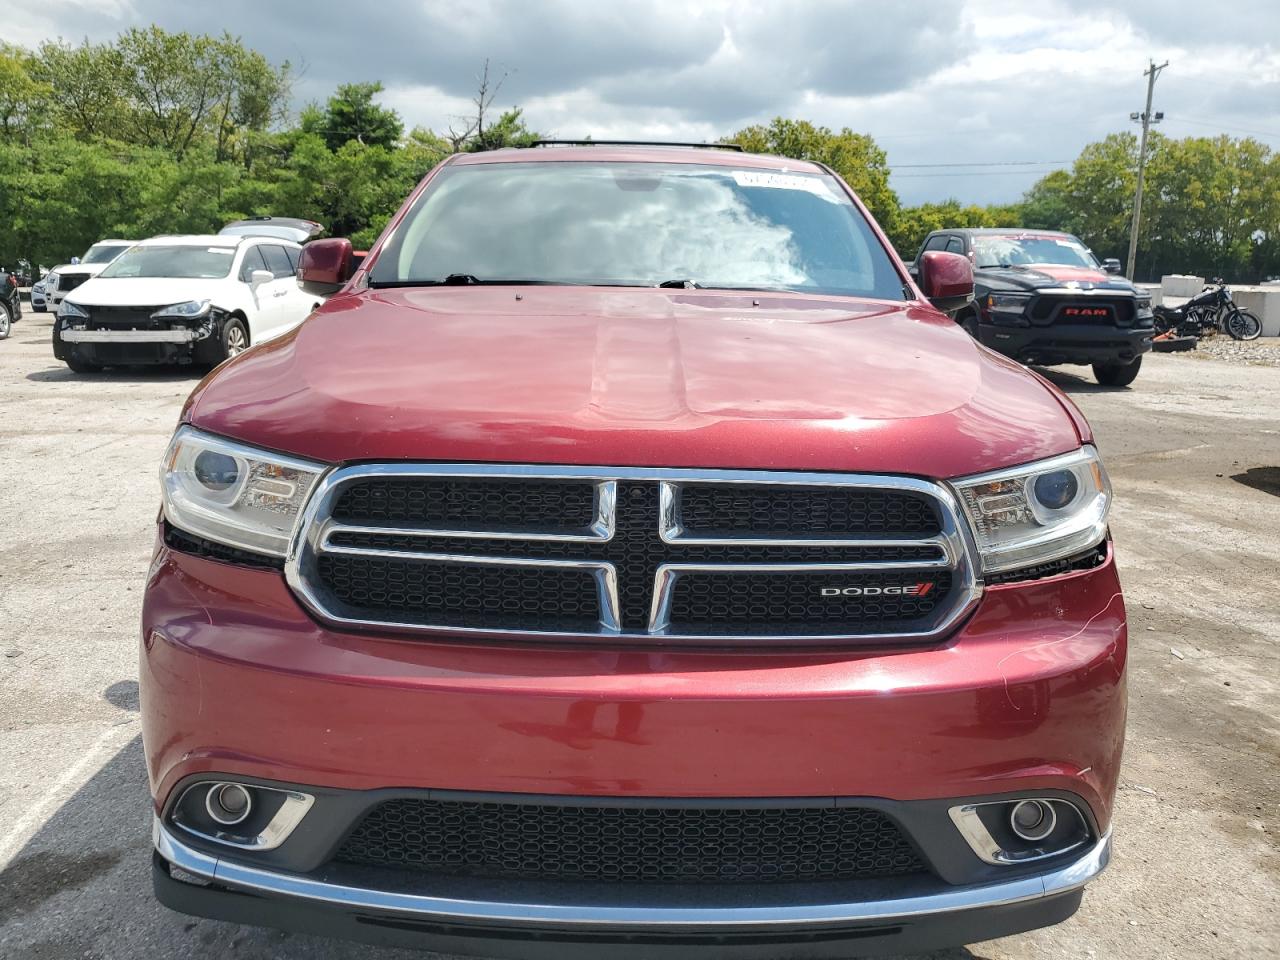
x=1217, y=126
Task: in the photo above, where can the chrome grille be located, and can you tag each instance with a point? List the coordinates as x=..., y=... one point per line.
x=658, y=555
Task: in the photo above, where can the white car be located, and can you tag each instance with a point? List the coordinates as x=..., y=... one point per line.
x=193, y=299
x=65, y=277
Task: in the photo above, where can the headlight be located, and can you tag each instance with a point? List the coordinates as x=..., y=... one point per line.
x=1142, y=307
x=187, y=310
x=68, y=310
x=1040, y=512
x=1008, y=302
x=232, y=493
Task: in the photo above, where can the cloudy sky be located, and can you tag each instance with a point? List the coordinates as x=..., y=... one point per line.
x=971, y=98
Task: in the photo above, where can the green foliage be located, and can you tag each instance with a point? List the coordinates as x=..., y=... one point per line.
x=162, y=132
x=352, y=115
x=509, y=131
x=1211, y=205
x=915, y=223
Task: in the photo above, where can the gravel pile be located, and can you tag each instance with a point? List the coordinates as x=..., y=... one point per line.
x=1257, y=353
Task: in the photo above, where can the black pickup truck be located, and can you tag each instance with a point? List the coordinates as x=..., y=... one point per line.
x=1042, y=297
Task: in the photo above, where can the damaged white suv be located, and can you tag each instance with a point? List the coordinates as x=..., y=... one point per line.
x=189, y=299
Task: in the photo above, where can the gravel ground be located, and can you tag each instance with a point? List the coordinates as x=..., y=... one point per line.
x=1195, y=460
x=1258, y=353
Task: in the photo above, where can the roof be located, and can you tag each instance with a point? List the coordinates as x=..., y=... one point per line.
x=709, y=156
x=1004, y=232
x=205, y=240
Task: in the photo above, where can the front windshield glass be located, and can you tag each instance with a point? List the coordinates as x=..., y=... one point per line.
x=103, y=252
x=638, y=224
x=1020, y=249
x=177, y=260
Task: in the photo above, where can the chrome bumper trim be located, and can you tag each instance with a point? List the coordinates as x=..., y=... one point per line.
x=268, y=883
x=128, y=336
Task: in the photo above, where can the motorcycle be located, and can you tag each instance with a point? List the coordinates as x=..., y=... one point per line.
x=1210, y=311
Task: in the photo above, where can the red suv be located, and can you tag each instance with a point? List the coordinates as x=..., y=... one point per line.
x=630, y=557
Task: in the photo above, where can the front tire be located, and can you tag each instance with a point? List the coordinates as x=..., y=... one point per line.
x=78, y=366
x=1243, y=325
x=1117, y=374
x=6, y=321
x=235, y=338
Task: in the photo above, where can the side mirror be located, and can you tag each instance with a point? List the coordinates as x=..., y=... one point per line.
x=1112, y=266
x=258, y=277
x=946, y=279
x=325, y=265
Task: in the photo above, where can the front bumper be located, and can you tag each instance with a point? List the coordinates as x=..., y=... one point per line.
x=192, y=881
x=106, y=347
x=1067, y=343
x=1026, y=698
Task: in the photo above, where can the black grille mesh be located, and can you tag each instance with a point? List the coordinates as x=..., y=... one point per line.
x=1049, y=308
x=794, y=511
x=463, y=595
x=452, y=503
x=696, y=845
x=704, y=603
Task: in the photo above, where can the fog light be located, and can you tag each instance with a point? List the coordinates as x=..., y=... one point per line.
x=228, y=803
x=1033, y=820
x=1022, y=830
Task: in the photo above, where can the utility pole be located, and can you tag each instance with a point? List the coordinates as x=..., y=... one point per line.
x=1147, y=119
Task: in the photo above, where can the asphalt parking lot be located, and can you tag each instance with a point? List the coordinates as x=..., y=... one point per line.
x=1194, y=453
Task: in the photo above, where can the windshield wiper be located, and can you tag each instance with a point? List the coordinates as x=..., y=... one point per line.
x=680, y=284
x=462, y=280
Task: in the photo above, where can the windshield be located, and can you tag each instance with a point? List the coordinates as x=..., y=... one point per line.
x=104, y=252
x=638, y=224
x=1014, y=250
x=175, y=260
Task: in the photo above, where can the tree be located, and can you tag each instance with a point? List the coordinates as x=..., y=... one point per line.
x=22, y=97
x=351, y=114
x=510, y=130
x=854, y=156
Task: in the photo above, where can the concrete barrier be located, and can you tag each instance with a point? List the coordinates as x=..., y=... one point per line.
x=1180, y=285
x=1263, y=302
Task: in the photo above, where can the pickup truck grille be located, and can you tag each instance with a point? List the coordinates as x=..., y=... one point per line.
x=660, y=555
x=620, y=844
x=1088, y=311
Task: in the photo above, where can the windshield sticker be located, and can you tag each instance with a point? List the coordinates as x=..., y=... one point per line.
x=785, y=181
x=227, y=250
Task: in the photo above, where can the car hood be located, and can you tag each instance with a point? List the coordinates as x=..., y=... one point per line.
x=1043, y=275
x=144, y=291
x=633, y=377
x=81, y=269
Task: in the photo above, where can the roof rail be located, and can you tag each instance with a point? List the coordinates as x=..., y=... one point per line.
x=636, y=143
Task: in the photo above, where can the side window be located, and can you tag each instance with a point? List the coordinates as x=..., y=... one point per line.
x=955, y=245
x=252, y=261
x=936, y=242
x=277, y=260
x=292, y=254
